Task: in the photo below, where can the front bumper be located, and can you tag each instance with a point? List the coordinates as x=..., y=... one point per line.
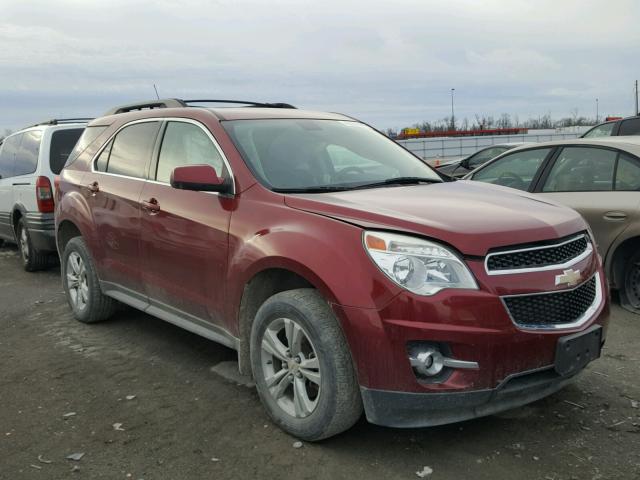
x=414, y=410
x=516, y=364
x=42, y=231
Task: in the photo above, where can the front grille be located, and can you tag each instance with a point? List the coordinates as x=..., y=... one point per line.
x=552, y=309
x=537, y=257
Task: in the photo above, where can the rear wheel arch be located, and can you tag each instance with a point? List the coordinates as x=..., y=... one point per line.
x=17, y=213
x=618, y=260
x=66, y=231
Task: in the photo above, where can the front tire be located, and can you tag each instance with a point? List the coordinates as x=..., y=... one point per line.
x=302, y=366
x=32, y=259
x=81, y=284
x=630, y=291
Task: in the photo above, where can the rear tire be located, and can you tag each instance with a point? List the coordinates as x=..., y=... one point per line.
x=81, y=284
x=630, y=290
x=32, y=259
x=302, y=366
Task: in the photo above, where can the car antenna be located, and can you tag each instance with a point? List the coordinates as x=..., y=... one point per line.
x=154, y=87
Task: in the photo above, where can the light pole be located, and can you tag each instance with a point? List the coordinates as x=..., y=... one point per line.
x=597, y=111
x=453, y=121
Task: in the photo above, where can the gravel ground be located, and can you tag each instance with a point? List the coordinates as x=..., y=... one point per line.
x=143, y=399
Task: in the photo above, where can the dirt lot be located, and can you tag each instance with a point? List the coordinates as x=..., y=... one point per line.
x=64, y=385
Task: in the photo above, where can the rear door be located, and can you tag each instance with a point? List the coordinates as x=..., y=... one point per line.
x=23, y=181
x=184, y=240
x=8, y=152
x=600, y=183
x=113, y=188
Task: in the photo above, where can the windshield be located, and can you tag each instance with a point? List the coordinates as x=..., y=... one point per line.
x=307, y=155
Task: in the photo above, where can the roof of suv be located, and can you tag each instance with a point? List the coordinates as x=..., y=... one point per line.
x=252, y=110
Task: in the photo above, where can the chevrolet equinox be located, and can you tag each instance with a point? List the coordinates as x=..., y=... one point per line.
x=348, y=275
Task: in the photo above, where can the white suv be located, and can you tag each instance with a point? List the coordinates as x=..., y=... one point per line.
x=29, y=161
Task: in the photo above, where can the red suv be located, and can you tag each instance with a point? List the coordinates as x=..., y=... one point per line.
x=347, y=273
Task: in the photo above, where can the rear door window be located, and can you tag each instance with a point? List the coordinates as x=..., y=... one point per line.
x=62, y=143
x=27, y=155
x=89, y=135
x=630, y=127
x=132, y=149
x=186, y=144
x=603, y=130
x=7, y=155
x=627, y=173
x=582, y=169
x=515, y=170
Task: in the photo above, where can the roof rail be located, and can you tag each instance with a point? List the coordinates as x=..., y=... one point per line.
x=178, y=103
x=242, y=102
x=164, y=103
x=61, y=121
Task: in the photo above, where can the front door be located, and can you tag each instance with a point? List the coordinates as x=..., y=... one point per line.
x=184, y=236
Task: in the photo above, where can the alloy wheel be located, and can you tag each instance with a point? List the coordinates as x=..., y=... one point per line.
x=632, y=286
x=290, y=367
x=24, y=244
x=77, y=282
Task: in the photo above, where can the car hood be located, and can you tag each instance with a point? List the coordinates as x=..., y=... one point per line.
x=471, y=216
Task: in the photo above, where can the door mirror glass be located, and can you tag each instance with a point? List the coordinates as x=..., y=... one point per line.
x=201, y=178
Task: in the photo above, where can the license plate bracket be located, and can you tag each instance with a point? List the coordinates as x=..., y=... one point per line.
x=574, y=352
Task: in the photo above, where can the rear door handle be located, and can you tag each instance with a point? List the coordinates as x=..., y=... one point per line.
x=93, y=188
x=615, y=216
x=152, y=206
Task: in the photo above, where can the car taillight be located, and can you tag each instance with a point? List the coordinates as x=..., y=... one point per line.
x=44, y=195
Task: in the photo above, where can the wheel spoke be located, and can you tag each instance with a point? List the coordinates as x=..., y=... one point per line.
x=276, y=377
x=312, y=376
x=274, y=346
x=281, y=387
x=294, y=334
x=301, y=401
x=310, y=364
x=72, y=280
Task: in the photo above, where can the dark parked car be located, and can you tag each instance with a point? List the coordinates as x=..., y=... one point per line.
x=459, y=168
x=621, y=127
x=301, y=239
x=600, y=178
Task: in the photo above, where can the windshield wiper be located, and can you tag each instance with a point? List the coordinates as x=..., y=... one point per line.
x=399, y=181
x=357, y=186
x=318, y=189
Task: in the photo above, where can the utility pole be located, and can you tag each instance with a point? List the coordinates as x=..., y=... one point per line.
x=597, y=111
x=453, y=121
x=637, y=111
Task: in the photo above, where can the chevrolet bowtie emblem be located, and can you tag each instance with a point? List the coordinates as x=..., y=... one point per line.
x=570, y=277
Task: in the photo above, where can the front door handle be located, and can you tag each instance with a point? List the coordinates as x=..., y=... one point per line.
x=152, y=206
x=615, y=216
x=93, y=188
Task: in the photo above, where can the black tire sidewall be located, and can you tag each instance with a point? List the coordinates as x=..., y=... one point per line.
x=631, y=265
x=312, y=426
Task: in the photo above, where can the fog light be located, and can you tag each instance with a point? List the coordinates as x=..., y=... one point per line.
x=429, y=361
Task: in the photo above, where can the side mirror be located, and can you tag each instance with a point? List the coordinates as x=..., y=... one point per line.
x=465, y=164
x=201, y=178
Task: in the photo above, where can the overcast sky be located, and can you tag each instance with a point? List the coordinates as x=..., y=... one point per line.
x=390, y=63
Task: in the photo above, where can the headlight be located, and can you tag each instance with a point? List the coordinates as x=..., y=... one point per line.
x=420, y=266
